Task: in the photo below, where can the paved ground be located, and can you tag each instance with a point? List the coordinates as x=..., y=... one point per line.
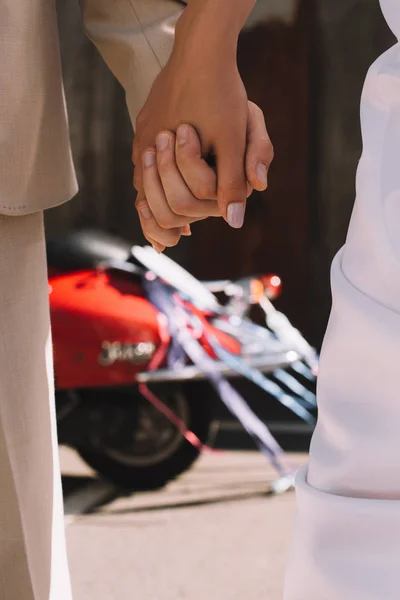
x=214, y=534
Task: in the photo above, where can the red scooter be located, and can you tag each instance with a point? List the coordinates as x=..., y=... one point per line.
x=106, y=333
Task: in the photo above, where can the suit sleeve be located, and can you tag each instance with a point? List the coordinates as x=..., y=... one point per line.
x=135, y=38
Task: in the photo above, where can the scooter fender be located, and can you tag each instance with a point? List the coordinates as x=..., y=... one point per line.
x=105, y=331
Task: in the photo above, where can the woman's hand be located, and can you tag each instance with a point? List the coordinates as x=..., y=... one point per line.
x=179, y=187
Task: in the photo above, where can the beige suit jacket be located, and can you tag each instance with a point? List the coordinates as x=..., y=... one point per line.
x=135, y=39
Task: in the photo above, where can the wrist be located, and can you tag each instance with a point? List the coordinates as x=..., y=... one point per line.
x=212, y=26
x=222, y=13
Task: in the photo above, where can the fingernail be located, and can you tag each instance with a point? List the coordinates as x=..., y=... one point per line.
x=186, y=230
x=235, y=214
x=145, y=212
x=149, y=159
x=182, y=135
x=158, y=249
x=261, y=172
x=162, y=141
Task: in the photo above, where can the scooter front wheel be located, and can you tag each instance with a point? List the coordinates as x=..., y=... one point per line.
x=154, y=451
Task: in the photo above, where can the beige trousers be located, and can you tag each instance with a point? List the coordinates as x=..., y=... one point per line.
x=33, y=560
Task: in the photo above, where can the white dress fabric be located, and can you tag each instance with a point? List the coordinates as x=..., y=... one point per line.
x=346, y=543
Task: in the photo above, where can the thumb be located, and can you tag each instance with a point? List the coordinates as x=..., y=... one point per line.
x=232, y=184
x=137, y=167
x=260, y=152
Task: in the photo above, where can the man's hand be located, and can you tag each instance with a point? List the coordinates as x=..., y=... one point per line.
x=179, y=187
x=201, y=86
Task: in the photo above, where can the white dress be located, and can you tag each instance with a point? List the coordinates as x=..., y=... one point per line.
x=346, y=543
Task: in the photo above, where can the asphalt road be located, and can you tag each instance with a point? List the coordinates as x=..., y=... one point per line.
x=216, y=533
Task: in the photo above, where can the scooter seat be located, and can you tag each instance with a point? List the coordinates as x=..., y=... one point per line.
x=85, y=249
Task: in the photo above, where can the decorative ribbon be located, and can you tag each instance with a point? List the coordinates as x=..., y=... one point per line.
x=154, y=364
x=163, y=299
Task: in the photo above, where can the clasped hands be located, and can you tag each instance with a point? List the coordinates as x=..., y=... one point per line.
x=178, y=187
x=197, y=109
